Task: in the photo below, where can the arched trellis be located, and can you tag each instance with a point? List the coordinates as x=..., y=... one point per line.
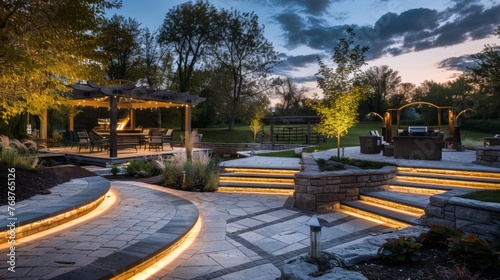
x=387, y=120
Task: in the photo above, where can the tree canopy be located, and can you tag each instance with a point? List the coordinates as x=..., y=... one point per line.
x=44, y=45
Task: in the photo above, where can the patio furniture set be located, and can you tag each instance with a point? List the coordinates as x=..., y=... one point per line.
x=411, y=143
x=99, y=141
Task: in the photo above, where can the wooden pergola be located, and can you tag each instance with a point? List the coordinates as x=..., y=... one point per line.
x=131, y=97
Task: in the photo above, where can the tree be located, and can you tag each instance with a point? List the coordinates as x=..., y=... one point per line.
x=291, y=97
x=382, y=82
x=43, y=46
x=188, y=28
x=157, y=59
x=121, y=47
x=486, y=76
x=242, y=50
x=342, y=93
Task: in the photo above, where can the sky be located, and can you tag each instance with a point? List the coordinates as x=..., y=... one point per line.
x=421, y=39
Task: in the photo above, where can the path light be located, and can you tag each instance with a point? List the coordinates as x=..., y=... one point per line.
x=301, y=165
x=315, y=236
x=183, y=178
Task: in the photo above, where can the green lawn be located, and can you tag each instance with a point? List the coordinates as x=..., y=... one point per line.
x=243, y=134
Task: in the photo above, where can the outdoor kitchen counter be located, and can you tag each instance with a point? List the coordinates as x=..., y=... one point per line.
x=418, y=147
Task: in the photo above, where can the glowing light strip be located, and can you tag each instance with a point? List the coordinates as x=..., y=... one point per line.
x=169, y=255
x=110, y=199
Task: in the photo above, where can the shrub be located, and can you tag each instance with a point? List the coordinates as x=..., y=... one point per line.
x=471, y=144
x=403, y=249
x=200, y=174
x=115, y=170
x=10, y=154
x=473, y=252
x=439, y=235
x=143, y=168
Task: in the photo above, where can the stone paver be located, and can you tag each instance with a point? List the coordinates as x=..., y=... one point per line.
x=243, y=236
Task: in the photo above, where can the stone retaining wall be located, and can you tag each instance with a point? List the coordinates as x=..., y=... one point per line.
x=472, y=216
x=489, y=156
x=318, y=191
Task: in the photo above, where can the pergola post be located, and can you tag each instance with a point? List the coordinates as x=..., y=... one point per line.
x=187, y=118
x=71, y=118
x=113, y=120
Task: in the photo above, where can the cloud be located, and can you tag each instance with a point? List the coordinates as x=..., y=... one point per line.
x=291, y=63
x=316, y=7
x=394, y=33
x=460, y=63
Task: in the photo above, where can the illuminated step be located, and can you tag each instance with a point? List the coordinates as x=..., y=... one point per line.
x=256, y=185
x=255, y=179
x=445, y=180
x=258, y=171
x=414, y=203
x=381, y=213
x=417, y=188
x=459, y=173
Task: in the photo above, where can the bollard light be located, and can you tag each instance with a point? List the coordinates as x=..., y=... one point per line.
x=301, y=165
x=315, y=236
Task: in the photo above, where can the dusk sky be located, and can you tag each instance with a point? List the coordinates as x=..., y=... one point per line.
x=422, y=40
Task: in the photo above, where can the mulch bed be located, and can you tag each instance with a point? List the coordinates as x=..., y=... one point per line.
x=38, y=181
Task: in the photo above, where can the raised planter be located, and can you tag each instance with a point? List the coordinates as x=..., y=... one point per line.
x=472, y=216
x=489, y=156
x=319, y=191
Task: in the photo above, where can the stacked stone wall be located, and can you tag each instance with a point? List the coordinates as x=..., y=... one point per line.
x=472, y=216
x=489, y=156
x=319, y=191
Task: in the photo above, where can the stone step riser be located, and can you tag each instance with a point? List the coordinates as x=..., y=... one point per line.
x=259, y=171
x=447, y=182
x=445, y=172
x=392, y=204
x=375, y=216
x=414, y=190
x=256, y=180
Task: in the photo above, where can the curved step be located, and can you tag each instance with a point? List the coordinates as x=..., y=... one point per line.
x=138, y=256
x=43, y=218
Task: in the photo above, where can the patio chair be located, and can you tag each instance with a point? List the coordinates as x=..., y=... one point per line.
x=97, y=141
x=155, y=139
x=83, y=140
x=144, y=138
x=167, y=137
x=73, y=138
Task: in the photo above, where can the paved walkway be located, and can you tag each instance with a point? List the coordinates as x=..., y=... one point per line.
x=450, y=159
x=243, y=236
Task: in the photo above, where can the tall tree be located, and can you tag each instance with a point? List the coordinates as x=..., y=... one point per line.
x=382, y=82
x=342, y=93
x=43, y=45
x=291, y=97
x=188, y=28
x=158, y=61
x=121, y=46
x=241, y=48
x=486, y=75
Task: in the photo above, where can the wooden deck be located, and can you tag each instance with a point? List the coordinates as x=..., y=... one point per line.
x=84, y=157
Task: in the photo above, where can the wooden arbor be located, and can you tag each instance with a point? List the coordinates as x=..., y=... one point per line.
x=387, y=119
x=132, y=97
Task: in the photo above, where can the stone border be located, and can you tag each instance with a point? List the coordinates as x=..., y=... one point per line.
x=320, y=191
x=489, y=156
x=472, y=216
x=43, y=218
